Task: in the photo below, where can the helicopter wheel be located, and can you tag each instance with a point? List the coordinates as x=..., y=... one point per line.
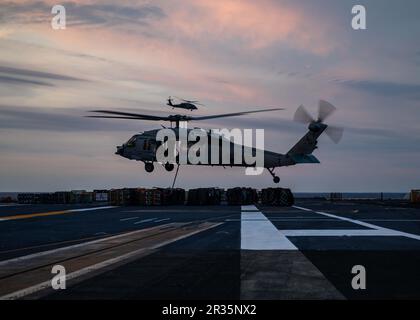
x=149, y=167
x=275, y=178
x=169, y=166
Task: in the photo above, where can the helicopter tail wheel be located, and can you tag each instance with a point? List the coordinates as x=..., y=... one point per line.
x=169, y=166
x=276, y=179
x=149, y=167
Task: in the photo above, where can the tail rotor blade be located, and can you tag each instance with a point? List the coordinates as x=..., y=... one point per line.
x=325, y=109
x=335, y=133
x=302, y=116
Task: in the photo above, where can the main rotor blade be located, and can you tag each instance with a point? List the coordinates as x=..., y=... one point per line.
x=302, y=116
x=185, y=100
x=113, y=117
x=137, y=116
x=325, y=109
x=335, y=133
x=224, y=115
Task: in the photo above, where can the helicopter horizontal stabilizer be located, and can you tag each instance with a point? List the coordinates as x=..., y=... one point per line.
x=304, y=158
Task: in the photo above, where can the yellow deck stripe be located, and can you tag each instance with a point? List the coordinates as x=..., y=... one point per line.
x=34, y=215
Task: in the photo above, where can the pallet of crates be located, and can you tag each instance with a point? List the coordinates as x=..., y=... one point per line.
x=277, y=197
x=234, y=196
x=114, y=197
x=178, y=196
x=100, y=195
x=157, y=197
x=192, y=197
x=62, y=197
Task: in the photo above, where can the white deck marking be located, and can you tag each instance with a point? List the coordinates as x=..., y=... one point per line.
x=145, y=220
x=374, y=232
x=46, y=284
x=128, y=219
x=91, y=209
x=258, y=233
x=160, y=220
x=337, y=233
x=61, y=249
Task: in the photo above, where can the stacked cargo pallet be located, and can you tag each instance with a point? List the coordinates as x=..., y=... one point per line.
x=172, y=196
x=166, y=196
x=241, y=196
x=415, y=196
x=28, y=198
x=122, y=197
x=100, y=195
x=146, y=197
x=204, y=196
x=277, y=197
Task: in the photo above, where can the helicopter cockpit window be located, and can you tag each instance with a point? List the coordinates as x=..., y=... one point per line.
x=146, y=144
x=131, y=142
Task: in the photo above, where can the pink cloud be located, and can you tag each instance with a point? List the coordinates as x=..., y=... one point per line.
x=256, y=24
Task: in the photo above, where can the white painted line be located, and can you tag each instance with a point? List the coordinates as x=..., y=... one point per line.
x=249, y=208
x=337, y=233
x=99, y=233
x=301, y=208
x=145, y=220
x=91, y=209
x=365, y=224
x=160, y=220
x=258, y=233
x=128, y=219
x=392, y=220
x=46, y=284
x=44, y=253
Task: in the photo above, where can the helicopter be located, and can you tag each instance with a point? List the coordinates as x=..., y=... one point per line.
x=143, y=146
x=185, y=104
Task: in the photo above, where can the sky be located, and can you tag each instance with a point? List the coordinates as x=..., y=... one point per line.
x=231, y=55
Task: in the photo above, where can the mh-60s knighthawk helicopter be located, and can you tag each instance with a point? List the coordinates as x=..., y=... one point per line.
x=185, y=104
x=143, y=146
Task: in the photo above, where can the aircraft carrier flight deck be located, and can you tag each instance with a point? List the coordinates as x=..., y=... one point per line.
x=306, y=251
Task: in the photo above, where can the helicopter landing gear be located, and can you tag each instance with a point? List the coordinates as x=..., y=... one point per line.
x=149, y=167
x=169, y=166
x=276, y=179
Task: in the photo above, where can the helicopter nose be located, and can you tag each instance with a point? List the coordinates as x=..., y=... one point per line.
x=120, y=150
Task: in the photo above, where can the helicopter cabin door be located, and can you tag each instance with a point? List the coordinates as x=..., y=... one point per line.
x=148, y=149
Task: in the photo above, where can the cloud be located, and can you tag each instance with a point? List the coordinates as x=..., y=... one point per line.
x=80, y=14
x=249, y=24
x=58, y=120
x=387, y=89
x=13, y=80
x=35, y=74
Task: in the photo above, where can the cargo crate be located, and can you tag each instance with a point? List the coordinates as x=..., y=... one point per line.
x=277, y=197
x=241, y=196
x=415, y=196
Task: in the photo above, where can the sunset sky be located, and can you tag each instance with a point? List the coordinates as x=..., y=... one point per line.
x=231, y=55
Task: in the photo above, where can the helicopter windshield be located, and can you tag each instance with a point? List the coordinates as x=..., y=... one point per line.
x=131, y=142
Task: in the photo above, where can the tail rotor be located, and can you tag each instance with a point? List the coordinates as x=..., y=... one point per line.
x=325, y=109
